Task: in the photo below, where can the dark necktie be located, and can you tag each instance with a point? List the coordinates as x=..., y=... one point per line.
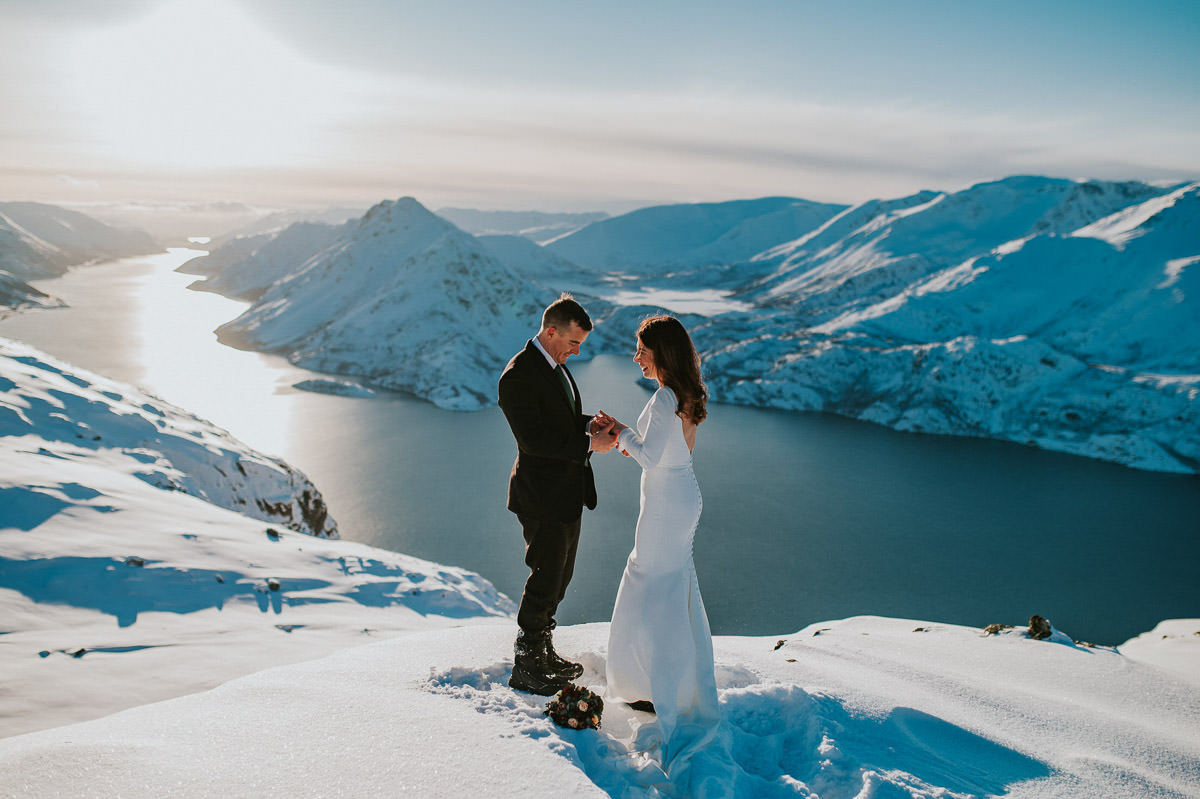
x=566, y=384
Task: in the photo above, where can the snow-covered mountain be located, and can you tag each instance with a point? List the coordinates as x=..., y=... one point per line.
x=537, y=263
x=247, y=275
x=222, y=256
x=870, y=251
x=404, y=300
x=278, y=221
x=537, y=226
x=1045, y=311
x=653, y=240
x=146, y=554
x=86, y=415
x=39, y=241
x=1038, y=323
x=244, y=242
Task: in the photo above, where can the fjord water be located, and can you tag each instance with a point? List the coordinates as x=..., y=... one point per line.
x=807, y=517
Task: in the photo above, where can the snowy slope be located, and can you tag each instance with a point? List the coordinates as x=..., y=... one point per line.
x=50, y=401
x=1080, y=343
x=536, y=226
x=404, y=300
x=146, y=554
x=38, y=240
x=281, y=255
x=221, y=257
x=279, y=221
x=536, y=263
x=878, y=248
x=668, y=237
x=866, y=707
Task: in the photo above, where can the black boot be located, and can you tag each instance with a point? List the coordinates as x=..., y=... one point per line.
x=567, y=669
x=531, y=670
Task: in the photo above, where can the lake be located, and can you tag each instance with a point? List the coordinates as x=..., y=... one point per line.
x=807, y=517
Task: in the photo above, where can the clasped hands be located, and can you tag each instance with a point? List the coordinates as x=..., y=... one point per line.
x=604, y=430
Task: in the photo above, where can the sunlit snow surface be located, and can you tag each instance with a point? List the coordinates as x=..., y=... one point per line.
x=866, y=707
x=704, y=302
x=117, y=592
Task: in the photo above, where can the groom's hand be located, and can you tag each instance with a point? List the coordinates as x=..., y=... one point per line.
x=603, y=439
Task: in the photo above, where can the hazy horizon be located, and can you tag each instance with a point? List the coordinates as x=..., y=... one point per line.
x=555, y=108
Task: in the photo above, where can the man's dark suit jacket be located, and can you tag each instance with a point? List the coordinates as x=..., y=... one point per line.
x=551, y=477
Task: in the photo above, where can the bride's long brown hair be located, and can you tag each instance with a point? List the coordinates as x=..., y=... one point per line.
x=677, y=364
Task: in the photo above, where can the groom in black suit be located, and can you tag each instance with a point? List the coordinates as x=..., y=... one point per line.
x=550, y=484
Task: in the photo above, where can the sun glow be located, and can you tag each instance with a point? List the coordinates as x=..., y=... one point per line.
x=197, y=84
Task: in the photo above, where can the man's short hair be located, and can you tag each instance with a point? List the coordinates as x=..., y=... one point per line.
x=563, y=311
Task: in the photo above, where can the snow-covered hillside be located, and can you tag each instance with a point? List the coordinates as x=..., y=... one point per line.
x=38, y=240
x=249, y=276
x=278, y=221
x=1076, y=338
x=405, y=301
x=537, y=263
x=145, y=554
x=536, y=226
x=221, y=257
x=671, y=237
x=173, y=449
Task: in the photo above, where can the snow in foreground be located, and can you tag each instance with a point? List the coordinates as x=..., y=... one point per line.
x=145, y=554
x=866, y=707
x=129, y=582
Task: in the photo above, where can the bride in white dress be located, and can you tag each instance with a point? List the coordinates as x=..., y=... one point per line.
x=660, y=647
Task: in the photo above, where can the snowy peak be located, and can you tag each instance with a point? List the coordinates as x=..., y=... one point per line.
x=691, y=236
x=379, y=301
x=403, y=220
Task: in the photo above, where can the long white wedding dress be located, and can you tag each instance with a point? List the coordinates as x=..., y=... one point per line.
x=660, y=646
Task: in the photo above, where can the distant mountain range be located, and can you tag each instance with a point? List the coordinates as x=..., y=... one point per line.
x=1052, y=312
x=40, y=241
x=537, y=226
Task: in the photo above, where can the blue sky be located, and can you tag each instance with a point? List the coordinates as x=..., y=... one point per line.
x=574, y=106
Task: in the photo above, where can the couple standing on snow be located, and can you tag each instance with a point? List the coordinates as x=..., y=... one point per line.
x=660, y=647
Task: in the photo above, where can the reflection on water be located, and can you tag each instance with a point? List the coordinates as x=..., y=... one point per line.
x=806, y=517
x=181, y=361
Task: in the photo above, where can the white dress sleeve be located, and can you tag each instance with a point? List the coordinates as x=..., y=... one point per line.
x=655, y=425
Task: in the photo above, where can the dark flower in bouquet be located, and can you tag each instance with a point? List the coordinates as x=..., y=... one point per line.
x=576, y=708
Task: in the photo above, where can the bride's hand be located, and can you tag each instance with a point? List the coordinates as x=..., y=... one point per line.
x=617, y=427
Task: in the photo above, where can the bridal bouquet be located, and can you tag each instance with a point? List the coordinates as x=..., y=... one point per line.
x=575, y=707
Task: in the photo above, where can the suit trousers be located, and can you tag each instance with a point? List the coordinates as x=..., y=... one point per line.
x=550, y=555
